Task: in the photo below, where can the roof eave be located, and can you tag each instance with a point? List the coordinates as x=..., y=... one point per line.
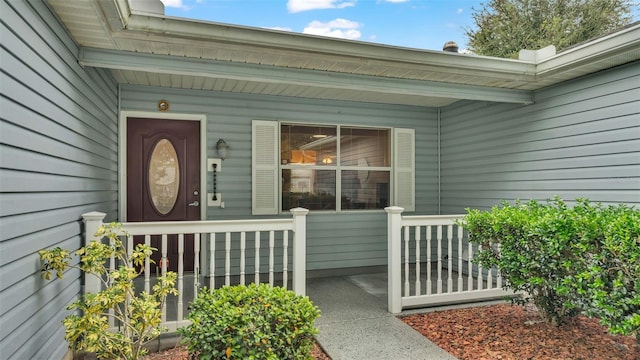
x=288, y=41
x=623, y=45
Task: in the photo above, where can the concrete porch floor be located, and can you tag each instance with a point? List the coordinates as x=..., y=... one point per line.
x=355, y=324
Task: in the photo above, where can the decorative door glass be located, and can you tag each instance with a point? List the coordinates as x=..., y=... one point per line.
x=164, y=176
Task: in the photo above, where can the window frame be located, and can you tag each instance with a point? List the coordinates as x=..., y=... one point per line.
x=337, y=167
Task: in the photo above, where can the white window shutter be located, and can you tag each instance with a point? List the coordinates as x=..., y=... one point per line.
x=404, y=163
x=264, y=168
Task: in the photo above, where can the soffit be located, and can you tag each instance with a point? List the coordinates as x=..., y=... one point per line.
x=109, y=24
x=279, y=89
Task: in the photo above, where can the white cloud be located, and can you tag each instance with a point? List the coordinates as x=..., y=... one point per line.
x=338, y=28
x=397, y=1
x=459, y=11
x=172, y=3
x=295, y=6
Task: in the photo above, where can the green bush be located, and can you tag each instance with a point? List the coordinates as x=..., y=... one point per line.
x=137, y=314
x=530, y=244
x=607, y=280
x=250, y=322
x=567, y=259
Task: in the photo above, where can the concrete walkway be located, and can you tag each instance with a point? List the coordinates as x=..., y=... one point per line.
x=355, y=324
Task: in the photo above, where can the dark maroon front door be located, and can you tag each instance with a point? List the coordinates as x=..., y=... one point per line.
x=163, y=178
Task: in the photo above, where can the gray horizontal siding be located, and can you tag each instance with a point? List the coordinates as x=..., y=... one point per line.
x=58, y=146
x=580, y=139
x=341, y=240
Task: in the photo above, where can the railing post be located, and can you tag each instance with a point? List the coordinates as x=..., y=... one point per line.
x=92, y=221
x=394, y=258
x=299, y=250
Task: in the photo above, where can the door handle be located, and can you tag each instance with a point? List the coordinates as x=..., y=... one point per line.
x=195, y=203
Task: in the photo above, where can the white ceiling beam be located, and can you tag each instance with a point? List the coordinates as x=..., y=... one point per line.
x=164, y=64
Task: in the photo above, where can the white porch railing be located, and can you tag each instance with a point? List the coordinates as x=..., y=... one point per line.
x=431, y=258
x=234, y=255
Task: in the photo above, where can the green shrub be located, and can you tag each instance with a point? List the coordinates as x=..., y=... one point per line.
x=607, y=280
x=138, y=315
x=250, y=322
x=568, y=259
x=530, y=244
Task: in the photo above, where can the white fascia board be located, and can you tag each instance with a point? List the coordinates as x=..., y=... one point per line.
x=179, y=28
x=111, y=59
x=621, y=42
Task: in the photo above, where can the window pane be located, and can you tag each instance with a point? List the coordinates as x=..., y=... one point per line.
x=308, y=188
x=308, y=145
x=365, y=189
x=365, y=147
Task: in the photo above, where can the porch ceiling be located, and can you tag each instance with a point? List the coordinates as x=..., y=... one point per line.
x=149, y=49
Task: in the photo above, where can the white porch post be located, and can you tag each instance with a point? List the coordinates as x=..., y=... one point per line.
x=92, y=221
x=299, y=250
x=394, y=260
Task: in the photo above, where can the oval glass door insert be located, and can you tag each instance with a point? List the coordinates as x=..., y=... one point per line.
x=164, y=176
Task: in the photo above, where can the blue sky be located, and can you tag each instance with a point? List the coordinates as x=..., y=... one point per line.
x=423, y=24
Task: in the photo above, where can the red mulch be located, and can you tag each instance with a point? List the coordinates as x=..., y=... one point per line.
x=510, y=332
x=502, y=332
x=180, y=353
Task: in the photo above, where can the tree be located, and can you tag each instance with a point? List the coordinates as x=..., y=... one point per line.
x=504, y=27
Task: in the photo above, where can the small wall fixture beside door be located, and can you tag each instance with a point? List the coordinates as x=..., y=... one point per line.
x=213, y=197
x=222, y=148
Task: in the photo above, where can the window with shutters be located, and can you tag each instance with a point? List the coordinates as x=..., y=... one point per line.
x=330, y=167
